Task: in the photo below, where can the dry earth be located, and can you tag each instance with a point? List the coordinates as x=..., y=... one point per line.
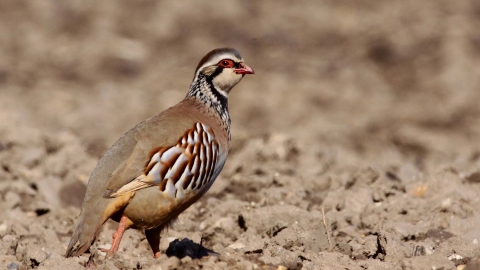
x=368, y=110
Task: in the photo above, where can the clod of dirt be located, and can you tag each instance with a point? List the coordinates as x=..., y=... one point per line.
x=366, y=249
x=473, y=177
x=187, y=247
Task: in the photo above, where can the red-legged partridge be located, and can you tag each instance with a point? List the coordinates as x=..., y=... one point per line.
x=166, y=163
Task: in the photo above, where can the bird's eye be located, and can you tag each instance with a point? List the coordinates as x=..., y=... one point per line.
x=226, y=63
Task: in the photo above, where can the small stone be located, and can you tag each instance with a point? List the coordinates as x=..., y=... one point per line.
x=13, y=266
x=236, y=245
x=454, y=257
x=473, y=177
x=425, y=247
x=3, y=229
x=104, y=247
x=446, y=203
x=419, y=251
x=420, y=190
x=281, y=267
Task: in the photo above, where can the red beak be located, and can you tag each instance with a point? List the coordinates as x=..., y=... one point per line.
x=244, y=69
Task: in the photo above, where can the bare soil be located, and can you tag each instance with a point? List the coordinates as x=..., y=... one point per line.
x=355, y=146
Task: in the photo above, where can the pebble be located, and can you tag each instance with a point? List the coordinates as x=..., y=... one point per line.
x=446, y=203
x=13, y=266
x=3, y=229
x=105, y=246
x=454, y=257
x=236, y=245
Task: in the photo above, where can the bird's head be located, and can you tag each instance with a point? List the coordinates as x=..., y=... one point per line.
x=224, y=68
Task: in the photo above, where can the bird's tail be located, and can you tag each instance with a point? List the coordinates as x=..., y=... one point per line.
x=94, y=214
x=85, y=232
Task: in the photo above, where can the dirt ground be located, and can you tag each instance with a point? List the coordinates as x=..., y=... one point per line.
x=366, y=110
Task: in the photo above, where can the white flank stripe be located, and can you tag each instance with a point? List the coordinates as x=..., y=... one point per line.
x=215, y=165
x=195, y=136
x=167, y=155
x=205, y=139
x=190, y=139
x=194, y=167
x=194, y=170
x=170, y=189
x=202, y=154
x=155, y=173
x=175, y=166
x=209, y=158
x=201, y=173
x=156, y=157
x=179, y=184
x=179, y=194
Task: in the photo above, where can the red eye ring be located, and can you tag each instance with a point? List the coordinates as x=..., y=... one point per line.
x=226, y=63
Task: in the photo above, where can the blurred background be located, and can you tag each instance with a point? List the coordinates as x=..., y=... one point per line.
x=345, y=93
x=325, y=70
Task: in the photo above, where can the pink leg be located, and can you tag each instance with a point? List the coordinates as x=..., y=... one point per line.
x=117, y=237
x=153, y=238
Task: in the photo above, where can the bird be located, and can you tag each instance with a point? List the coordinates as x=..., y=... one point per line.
x=164, y=164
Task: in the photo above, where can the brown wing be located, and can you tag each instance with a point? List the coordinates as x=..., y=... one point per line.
x=160, y=131
x=181, y=168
